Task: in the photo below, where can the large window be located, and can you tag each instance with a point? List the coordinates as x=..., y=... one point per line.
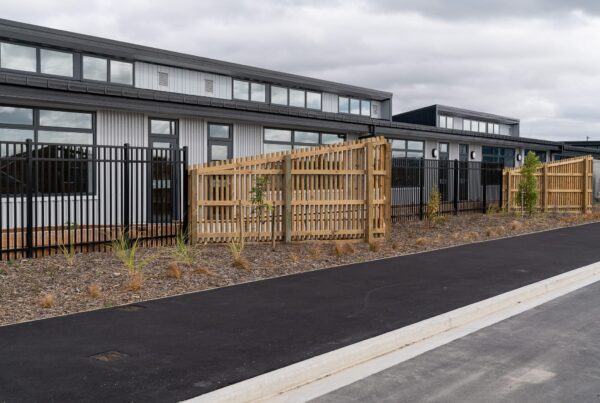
x=446, y=122
x=297, y=98
x=407, y=149
x=61, y=142
x=25, y=58
x=313, y=100
x=505, y=156
x=121, y=72
x=354, y=106
x=279, y=95
x=18, y=57
x=283, y=139
x=247, y=91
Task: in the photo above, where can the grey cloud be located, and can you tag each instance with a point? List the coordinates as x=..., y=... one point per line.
x=528, y=59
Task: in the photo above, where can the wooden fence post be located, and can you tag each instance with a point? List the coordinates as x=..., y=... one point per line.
x=193, y=200
x=546, y=190
x=370, y=191
x=585, y=185
x=508, y=191
x=287, y=201
x=387, y=147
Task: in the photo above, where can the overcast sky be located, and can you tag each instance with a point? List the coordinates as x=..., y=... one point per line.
x=534, y=60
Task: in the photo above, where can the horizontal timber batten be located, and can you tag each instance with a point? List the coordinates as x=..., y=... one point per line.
x=339, y=191
x=564, y=185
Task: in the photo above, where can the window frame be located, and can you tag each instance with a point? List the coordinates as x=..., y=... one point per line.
x=38, y=60
x=292, y=143
x=36, y=127
x=290, y=98
x=287, y=95
x=106, y=59
x=248, y=93
x=210, y=141
x=320, y=94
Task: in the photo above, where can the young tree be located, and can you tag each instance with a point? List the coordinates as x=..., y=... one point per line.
x=528, y=194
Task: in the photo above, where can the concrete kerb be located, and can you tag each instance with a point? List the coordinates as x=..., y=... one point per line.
x=273, y=383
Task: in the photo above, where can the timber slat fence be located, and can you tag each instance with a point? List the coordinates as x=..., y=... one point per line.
x=564, y=185
x=339, y=191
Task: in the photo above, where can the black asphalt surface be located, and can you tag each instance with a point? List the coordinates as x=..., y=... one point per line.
x=185, y=346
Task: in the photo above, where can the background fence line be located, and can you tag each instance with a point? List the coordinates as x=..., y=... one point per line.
x=329, y=192
x=464, y=186
x=83, y=197
x=564, y=185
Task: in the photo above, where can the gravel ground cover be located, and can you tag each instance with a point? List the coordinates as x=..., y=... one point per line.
x=40, y=288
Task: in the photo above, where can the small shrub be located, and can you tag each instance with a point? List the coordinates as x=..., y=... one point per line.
x=126, y=251
x=94, y=290
x=375, y=246
x=47, y=301
x=433, y=206
x=68, y=252
x=528, y=194
x=236, y=247
x=173, y=271
x=490, y=232
x=182, y=250
x=396, y=245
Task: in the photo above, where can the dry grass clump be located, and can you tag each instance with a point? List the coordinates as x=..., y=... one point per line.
x=47, y=301
x=94, y=290
x=135, y=281
x=375, y=246
x=293, y=257
x=420, y=241
x=344, y=248
x=315, y=251
x=204, y=270
x=236, y=247
x=516, y=225
x=173, y=271
x=68, y=251
x=396, y=245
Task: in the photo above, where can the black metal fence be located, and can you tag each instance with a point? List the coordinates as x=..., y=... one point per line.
x=463, y=186
x=83, y=197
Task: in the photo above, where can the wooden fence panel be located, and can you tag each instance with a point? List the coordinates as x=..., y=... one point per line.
x=564, y=185
x=339, y=191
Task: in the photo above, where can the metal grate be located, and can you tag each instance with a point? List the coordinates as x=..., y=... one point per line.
x=209, y=85
x=110, y=356
x=163, y=79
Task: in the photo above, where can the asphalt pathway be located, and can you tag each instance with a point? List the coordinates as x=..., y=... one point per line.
x=184, y=346
x=547, y=354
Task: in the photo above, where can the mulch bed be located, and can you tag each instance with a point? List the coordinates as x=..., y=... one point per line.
x=47, y=287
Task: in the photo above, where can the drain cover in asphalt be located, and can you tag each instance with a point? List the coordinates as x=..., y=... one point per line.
x=110, y=356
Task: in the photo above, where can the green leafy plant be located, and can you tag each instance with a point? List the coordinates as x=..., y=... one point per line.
x=68, y=249
x=528, y=194
x=260, y=206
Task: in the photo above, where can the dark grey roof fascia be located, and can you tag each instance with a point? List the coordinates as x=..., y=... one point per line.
x=138, y=93
x=436, y=133
x=87, y=43
x=582, y=150
x=13, y=95
x=466, y=113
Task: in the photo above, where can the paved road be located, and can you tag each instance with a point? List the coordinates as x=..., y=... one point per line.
x=185, y=346
x=548, y=354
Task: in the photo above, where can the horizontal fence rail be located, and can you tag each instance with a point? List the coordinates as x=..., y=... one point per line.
x=565, y=185
x=330, y=192
x=463, y=186
x=84, y=197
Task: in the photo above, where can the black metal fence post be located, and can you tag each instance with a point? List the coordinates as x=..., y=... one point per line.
x=126, y=190
x=484, y=172
x=29, y=209
x=455, y=187
x=185, y=194
x=421, y=187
